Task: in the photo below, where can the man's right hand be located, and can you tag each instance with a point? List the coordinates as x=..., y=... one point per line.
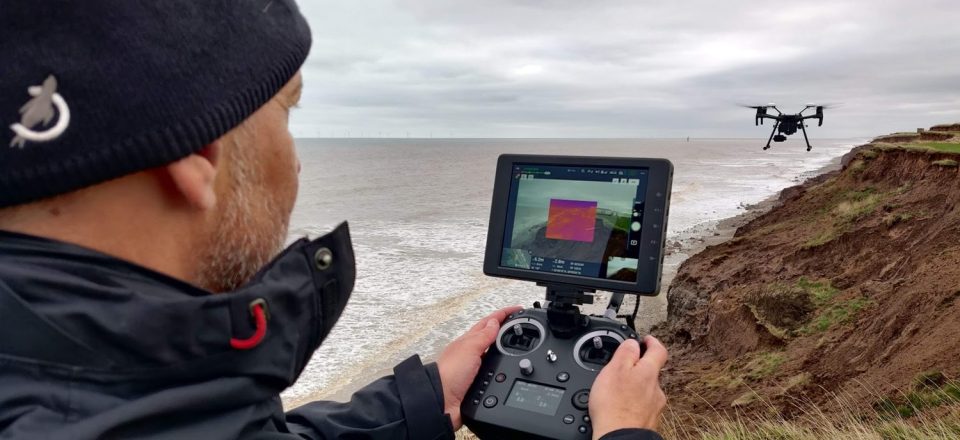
x=627, y=393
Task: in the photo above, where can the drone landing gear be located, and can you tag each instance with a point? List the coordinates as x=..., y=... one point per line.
x=775, y=126
x=804, y=128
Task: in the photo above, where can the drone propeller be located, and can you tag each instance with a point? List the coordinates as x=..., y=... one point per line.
x=824, y=106
x=761, y=111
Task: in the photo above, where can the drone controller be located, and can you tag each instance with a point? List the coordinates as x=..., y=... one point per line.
x=574, y=225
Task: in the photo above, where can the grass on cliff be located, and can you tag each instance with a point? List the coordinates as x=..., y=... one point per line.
x=931, y=411
x=830, y=313
x=765, y=365
x=949, y=147
x=931, y=390
x=820, y=291
x=736, y=374
x=816, y=427
x=836, y=314
x=804, y=308
x=946, y=163
x=772, y=428
x=850, y=207
x=946, y=147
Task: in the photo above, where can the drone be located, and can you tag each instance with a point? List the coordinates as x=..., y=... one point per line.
x=787, y=124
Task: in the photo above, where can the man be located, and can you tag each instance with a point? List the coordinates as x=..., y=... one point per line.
x=145, y=191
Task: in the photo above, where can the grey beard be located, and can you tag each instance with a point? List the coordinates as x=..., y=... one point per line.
x=242, y=243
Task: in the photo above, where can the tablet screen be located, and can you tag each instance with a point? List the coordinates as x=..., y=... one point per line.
x=581, y=221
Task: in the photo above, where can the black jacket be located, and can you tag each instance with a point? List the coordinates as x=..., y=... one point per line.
x=95, y=347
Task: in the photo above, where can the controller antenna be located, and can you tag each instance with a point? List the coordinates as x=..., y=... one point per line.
x=614, y=306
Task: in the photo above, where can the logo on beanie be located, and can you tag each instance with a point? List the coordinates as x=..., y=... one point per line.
x=38, y=112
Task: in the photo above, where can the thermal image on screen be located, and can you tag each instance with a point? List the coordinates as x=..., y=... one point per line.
x=573, y=220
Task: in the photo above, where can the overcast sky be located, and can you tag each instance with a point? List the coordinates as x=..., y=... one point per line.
x=622, y=68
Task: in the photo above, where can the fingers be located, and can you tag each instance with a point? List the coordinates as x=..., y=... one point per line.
x=478, y=340
x=483, y=333
x=628, y=353
x=656, y=353
x=490, y=331
x=499, y=315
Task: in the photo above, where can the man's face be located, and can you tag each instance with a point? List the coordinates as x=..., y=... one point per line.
x=255, y=196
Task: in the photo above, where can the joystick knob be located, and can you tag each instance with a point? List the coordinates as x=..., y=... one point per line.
x=520, y=336
x=595, y=349
x=526, y=367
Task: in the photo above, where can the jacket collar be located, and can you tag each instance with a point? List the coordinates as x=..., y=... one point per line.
x=87, y=311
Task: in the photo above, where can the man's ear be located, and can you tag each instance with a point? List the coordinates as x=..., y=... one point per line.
x=194, y=176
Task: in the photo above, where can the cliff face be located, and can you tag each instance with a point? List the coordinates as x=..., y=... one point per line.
x=850, y=286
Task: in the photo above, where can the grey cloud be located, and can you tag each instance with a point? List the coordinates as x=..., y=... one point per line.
x=617, y=68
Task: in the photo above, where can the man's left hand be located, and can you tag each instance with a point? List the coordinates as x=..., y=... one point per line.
x=460, y=361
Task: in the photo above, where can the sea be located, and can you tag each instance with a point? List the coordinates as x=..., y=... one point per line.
x=418, y=211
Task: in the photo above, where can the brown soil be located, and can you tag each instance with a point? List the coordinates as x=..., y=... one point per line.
x=946, y=127
x=935, y=136
x=850, y=286
x=936, y=133
x=898, y=137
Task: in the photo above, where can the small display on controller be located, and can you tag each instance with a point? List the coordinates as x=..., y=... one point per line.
x=534, y=397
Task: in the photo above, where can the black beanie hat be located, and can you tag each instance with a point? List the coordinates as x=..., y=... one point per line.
x=91, y=90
